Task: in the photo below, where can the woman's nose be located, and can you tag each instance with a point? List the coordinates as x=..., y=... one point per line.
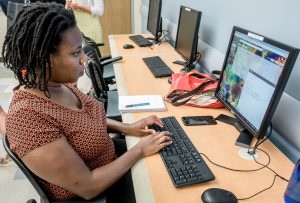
x=83, y=58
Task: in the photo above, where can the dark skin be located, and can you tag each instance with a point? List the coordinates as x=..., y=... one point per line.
x=65, y=167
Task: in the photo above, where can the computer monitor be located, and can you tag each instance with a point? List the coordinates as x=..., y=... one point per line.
x=154, y=24
x=255, y=72
x=187, y=35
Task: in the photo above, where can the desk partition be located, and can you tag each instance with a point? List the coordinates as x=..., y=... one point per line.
x=150, y=177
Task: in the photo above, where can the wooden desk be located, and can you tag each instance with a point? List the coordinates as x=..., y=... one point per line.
x=151, y=180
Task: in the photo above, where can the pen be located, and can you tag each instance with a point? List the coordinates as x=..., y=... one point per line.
x=138, y=104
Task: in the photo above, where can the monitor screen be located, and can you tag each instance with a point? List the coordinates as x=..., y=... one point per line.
x=255, y=72
x=187, y=33
x=154, y=18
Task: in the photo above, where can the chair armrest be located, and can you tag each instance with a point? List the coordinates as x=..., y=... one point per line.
x=105, y=57
x=100, y=44
x=109, y=61
x=31, y=201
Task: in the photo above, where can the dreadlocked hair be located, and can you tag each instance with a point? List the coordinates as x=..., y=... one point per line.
x=36, y=33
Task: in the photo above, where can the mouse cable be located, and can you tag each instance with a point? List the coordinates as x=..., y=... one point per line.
x=275, y=176
x=240, y=170
x=251, y=170
x=261, y=190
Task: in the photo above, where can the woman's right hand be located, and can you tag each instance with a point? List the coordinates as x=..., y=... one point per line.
x=154, y=142
x=68, y=4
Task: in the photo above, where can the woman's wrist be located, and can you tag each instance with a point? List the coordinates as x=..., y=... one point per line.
x=138, y=151
x=125, y=128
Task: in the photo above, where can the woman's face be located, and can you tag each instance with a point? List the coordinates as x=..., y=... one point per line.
x=67, y=64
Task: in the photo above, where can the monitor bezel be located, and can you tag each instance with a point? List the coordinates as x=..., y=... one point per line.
x=282, y=80
x=195, y=38
x=156, y=34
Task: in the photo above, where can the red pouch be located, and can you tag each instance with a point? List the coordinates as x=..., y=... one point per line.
x=194, y=89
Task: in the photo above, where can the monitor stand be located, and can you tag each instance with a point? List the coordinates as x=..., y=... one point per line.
x=178, y=62
x=188, y=68
x=245, y=138
x=156, y=39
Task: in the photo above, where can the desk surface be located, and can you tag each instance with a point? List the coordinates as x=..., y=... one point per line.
x=151, y=179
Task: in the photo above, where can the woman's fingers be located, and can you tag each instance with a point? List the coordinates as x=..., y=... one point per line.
x=153, y=120
x=163, y=137
x=148, y=131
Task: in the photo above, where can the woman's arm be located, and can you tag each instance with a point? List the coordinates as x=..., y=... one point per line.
x=138, y=128
x=58, y=163
x=96, y=9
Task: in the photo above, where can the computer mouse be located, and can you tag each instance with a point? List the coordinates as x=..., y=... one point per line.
x=218, y=195
x=128, y=46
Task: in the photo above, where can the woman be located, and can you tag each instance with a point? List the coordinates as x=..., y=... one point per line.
x=59, y=132
x=87, y=14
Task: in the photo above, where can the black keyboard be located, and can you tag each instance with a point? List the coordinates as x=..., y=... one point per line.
x=182, y=160
x=158, y=67
x=140, y=41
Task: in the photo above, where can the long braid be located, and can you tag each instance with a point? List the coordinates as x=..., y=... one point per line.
x=35, y=34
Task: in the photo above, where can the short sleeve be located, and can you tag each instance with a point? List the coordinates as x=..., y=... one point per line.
x=29, y=129
x=97, y=9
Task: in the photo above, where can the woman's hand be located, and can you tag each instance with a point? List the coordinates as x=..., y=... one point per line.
x=74, y=6
x=153, y=143
x=68, y=4
x=79, y=7
x=139, y=128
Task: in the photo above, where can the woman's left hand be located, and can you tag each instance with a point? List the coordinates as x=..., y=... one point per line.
x=75, y=6
x=139, y=128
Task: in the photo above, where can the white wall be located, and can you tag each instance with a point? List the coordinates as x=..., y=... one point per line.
x=136, y=17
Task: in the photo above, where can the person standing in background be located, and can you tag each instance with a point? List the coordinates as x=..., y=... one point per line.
x=87, y=14
x=2, y=120
x=3, y=160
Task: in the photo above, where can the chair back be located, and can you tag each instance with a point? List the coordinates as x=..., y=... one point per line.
x=98, y=91
x=29, y=175
x=89, y=41
x=91, y=52
x=92, y=56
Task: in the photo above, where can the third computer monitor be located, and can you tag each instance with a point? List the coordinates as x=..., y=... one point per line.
x=154, y=18
x=187, y=35
x=255, y=72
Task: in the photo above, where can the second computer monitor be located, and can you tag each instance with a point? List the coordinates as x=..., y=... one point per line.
x=154, y=19
x=187, y=34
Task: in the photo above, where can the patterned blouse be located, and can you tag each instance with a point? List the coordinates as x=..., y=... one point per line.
x=33, y=121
